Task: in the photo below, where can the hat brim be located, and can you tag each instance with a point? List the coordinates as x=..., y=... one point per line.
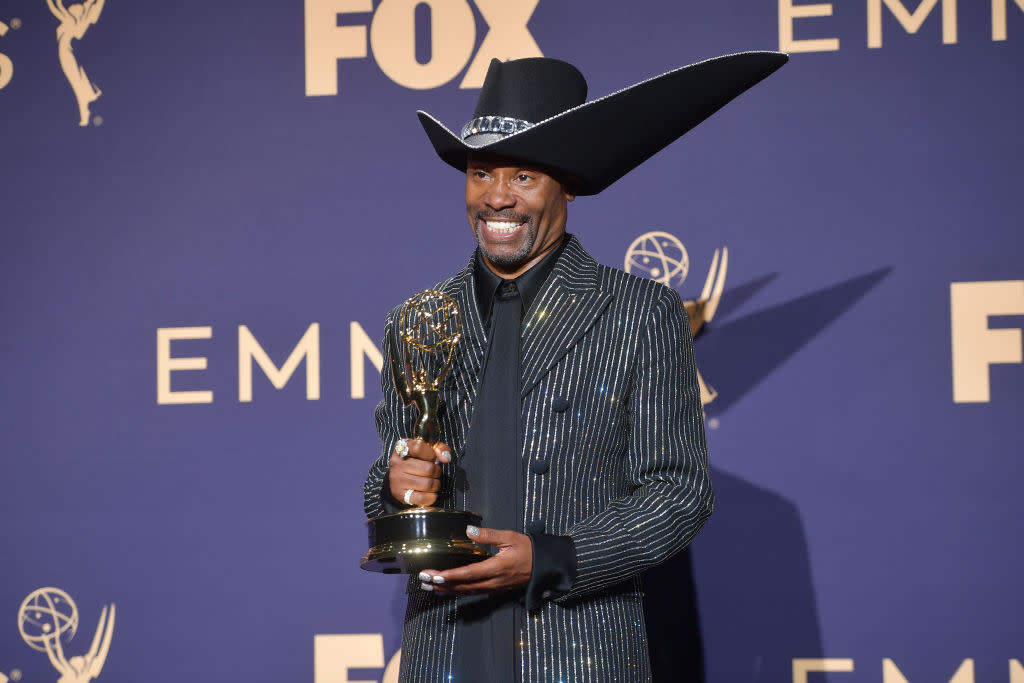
x=600, y=141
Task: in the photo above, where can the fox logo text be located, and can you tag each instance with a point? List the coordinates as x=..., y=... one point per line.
x=976, y=346
x=337, y=29
x=335, y=654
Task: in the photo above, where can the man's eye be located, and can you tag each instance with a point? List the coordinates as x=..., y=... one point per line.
x=522, y=177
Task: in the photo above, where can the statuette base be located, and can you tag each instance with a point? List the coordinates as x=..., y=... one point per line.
x=412, y=540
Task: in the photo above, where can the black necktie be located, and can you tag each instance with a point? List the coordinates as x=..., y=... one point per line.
x=486, y=639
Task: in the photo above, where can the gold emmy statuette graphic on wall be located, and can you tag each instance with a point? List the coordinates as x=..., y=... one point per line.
x=49, y=615
x=429, y=327
x=75, y=20
x=662, y=257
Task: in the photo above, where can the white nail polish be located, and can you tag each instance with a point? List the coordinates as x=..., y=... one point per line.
x=425, y=577
x=438, y=579
x=472, y=531
x=427, y=586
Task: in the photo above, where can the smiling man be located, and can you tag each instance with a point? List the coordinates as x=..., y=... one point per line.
x=573, y=422
x=517, y=212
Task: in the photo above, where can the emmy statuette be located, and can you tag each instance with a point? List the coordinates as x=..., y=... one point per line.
x=429, y=325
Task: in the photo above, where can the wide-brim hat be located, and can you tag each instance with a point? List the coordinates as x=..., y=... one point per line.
x=534, y=110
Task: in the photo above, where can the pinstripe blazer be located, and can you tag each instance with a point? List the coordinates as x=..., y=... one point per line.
x=611, y=404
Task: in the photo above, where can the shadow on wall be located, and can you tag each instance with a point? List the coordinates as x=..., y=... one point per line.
x=736, y=355
x=739, y=604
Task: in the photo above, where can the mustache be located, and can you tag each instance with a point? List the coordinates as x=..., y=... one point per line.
x=504, y=216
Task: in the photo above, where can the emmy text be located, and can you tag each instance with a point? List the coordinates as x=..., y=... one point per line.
x=890, y=672
x=807, y=17
x=250, y=352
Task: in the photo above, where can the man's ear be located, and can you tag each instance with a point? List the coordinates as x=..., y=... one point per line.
x=569, y=187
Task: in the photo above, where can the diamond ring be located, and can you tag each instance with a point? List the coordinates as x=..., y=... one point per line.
x=402, y=448
x=408, y=496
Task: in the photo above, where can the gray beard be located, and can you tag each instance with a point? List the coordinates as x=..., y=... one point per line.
x=509, y=260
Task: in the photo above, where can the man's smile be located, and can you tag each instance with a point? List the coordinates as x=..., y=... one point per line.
x=501, y=228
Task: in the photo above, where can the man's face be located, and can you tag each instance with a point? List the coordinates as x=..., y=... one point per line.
x=517, y=212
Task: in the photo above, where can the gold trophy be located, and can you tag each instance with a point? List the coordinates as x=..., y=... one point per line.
x=430, y=326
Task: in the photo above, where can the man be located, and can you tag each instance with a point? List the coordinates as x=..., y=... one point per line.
x=572, y=418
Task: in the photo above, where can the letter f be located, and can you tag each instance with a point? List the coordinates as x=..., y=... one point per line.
x=975, y=345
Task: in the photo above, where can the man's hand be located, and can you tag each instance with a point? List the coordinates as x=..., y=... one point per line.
x=510, y=567
x=414, y=475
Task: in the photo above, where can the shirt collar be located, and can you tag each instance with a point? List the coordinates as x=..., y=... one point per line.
x=529, y=283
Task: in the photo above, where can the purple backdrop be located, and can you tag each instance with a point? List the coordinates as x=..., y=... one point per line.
x=215, y=207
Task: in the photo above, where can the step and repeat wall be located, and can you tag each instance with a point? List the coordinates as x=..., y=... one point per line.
x=206, y=209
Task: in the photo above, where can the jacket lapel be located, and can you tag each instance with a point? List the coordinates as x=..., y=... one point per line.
x=568, y=305
x=469, y=353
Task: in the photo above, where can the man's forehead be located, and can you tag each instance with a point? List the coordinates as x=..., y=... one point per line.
x=491, y=160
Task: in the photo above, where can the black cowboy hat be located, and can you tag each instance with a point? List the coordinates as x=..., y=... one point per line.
x=534, y=110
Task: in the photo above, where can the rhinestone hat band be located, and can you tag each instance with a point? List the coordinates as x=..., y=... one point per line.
x=504, y=125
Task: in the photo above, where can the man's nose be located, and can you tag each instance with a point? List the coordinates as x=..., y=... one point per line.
x=499, y=195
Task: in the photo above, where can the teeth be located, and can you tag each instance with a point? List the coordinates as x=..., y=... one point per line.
x=501, y=226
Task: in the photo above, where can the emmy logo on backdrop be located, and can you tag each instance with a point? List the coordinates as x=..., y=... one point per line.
x=658, y=256
x=6, y=74
x=661, y=256
x=75, y=20
x=49, y=615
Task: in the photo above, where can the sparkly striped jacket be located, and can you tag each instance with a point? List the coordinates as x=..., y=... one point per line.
x=611, y=407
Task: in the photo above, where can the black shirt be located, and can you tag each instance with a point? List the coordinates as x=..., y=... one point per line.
x=554, y=557
x=529, y=283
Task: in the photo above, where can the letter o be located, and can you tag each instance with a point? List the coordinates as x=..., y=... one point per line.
x=393, y=39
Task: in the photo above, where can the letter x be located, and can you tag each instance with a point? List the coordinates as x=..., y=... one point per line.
x=507, y=36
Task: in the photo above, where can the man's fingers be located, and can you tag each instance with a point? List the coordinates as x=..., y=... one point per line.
x=414, y=448
x=488, y=586
x=510, y=568
x=415, y=476
x=470, y=573
x=442, y=452
x=421, y=450
x=424, y=484
x=418, y=498
x=416, y=468
x=487, y=536
x=486, y=576
x=411, y=494
x=431, y=576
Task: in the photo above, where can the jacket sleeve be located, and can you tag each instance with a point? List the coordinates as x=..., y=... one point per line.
x=666, y=466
